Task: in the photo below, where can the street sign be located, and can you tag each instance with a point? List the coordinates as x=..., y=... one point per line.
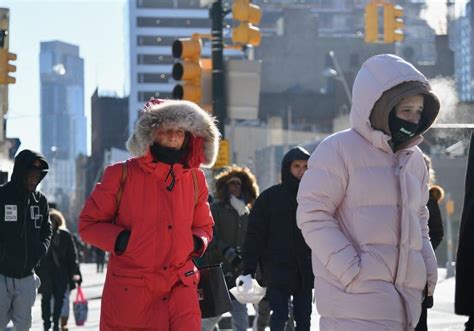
x=223, y=158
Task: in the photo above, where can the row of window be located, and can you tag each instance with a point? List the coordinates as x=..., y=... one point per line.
x=162, y=41
x=153, y=78
x=185, y=4
x=145, y=96
x=154, y=59
x=173, y=22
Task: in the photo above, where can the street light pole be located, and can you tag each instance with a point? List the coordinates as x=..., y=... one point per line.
x=340, y=74
x=218, y=72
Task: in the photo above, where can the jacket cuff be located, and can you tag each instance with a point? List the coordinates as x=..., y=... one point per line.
x=200, y=245
x=201, y=236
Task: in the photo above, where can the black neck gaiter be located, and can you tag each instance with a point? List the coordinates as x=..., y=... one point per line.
x=167, y=155
x=401, y=130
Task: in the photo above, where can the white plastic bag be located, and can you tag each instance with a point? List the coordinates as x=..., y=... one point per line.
x=253, y=295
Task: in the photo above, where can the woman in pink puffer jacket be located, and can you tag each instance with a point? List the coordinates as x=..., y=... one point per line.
x=362, y=204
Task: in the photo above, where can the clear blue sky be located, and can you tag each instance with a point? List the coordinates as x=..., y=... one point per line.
x=96, y=26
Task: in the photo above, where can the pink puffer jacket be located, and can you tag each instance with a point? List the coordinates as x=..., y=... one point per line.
x=362, y=210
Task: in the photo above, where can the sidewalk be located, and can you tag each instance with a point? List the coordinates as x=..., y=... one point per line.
x=440, y=318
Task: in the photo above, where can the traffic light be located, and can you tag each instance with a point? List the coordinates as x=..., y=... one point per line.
x=392, y=23
x=248, y=15
x=6, y=68
x=189, y=70
x=371, y=23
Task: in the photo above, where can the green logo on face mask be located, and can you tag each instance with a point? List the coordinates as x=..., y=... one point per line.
x=407, y=132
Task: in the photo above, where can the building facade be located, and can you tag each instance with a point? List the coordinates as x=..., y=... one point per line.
x=464, y=51
x=153, y=26
x=63, y=123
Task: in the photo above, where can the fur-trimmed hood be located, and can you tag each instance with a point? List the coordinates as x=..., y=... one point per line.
x=204, y=141
x=249, y=186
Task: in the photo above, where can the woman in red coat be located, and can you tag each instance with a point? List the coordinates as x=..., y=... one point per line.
x=163, y=220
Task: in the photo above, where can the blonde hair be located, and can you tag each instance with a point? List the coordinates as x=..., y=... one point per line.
x=58, y=217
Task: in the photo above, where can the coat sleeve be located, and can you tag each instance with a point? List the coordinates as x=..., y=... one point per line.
x=71, y=256
x=95, y=220
x=203, y=221
x=46, y=232
x=321, y=190
x=255, y=239
x=427, y=249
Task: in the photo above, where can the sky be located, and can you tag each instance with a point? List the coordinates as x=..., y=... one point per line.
x=98, y=28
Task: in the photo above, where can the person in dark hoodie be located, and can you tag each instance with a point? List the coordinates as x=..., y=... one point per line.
x=275, y=244
x=25, y=234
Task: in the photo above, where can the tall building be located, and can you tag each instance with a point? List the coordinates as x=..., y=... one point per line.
x=109, y=125
x=464, y=51
x=153, y=26
x=63, y=123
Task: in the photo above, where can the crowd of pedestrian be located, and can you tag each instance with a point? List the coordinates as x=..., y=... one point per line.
x=354, y=224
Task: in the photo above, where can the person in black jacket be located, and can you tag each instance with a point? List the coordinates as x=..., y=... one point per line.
x=25, y=233
x=464, y=290
x=275, y=243
x=58, y=271
x=436, y=232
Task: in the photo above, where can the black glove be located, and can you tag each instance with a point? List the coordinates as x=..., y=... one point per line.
x=197, y=244
x=121, y=242
x=234, y=257
x=230, y=254
x=428, y=302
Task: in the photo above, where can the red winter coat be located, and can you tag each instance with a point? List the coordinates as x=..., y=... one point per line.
x=152, y=285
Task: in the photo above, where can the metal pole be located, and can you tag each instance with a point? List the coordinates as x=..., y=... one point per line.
x=218, y=72
x=341, y=75
x=449, y=234
x=4, y=43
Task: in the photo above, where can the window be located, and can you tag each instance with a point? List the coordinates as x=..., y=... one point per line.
x=154, y=59
x=153, y=78
x=155, y=41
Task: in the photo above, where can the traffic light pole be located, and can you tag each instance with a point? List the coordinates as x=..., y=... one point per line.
x=4, y=43
x=218, y=72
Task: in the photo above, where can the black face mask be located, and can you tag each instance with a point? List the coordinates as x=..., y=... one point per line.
x=167, y=155
x=401, y=130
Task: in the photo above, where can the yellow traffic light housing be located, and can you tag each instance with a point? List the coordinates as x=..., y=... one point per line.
x=6, y=68
x=371, y=23
x=392, y=23
x=246, y=33
x=189, y=70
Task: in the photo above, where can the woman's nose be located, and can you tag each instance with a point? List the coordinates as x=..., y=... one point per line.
x=414, y=118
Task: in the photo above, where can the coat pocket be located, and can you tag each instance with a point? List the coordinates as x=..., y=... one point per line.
x=130, y=301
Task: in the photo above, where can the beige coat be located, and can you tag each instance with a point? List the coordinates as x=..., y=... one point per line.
x=362, y=210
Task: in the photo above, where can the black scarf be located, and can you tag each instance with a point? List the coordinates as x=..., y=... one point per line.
x=167, y=155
